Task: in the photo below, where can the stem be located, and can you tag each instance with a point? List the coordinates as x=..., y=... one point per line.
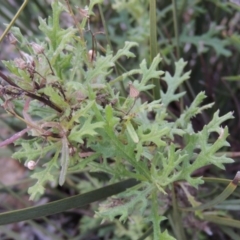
x=177, y=217
x=31, y=95
x=74, y=19
x=105, y=26
x=176, y=31
x=9, y=81
x=123, y=90
x=175, y=20
x=13, y=20
x=153, y=44
x=49, y=64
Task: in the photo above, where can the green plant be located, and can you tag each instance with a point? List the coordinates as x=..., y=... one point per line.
x=77, y=120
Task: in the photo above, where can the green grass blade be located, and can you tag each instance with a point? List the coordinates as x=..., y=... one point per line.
x=175, y=20
x=222, y=221
x=66, y=203
x=179, y=230
x=153, y=44
x=220, y=198
x=230, y=232
x=13, y=20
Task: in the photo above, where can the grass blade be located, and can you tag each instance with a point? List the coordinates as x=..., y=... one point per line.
x=66, y=203
x=220, y=198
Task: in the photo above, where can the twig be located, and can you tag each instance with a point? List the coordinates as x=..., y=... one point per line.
x=31, y=95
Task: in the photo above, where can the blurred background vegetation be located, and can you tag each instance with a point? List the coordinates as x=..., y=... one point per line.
x=205, y=33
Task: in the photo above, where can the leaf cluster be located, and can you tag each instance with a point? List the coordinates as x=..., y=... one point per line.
x=77, y=118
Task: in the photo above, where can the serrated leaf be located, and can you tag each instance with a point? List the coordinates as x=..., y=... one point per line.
x=124, y=151
x=147, y=74
x=125, y=51
x=156, y=219
x=52, y=30
x=83, y=112
x=55, y=97
x=102, y=68
x=88, y=128
x=169, y=171
x=193, y=110
x=153, y=134
x=125, y=204
x=174, y=82
x=33, y=151
x=206, y=155
x=213, y=125
x=43, y=176
x=209, y=39
x=26, y=84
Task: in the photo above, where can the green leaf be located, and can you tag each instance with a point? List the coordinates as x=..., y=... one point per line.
x=132, y=131
x=31, y=150
x=112, y=121
x=125, y=51
x=66, y=203
x=213, y=125
x=87, y=129
x=124, y=151
x=151, y=134
x=169, y=167
x=206, y=155
x=166, y=236
x=174, y=82
x=55, y=97
x=124, y=204
x=43, y=176
x=102, y=68
x=52, y=30
x=83, y=112
x=209, y=39
x=58, y=37
x=148, y=74
x=65, y=158
x=193, y=110
x=220, y=198
x=156, y=219
x=226, y=221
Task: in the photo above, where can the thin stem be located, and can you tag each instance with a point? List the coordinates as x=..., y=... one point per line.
x=105, y=26
x=31, y=95
x=9, y=81
x=175, y=21
x=123, y=90
x=74, y=19
x=176, y=31
x=13, y=20
x=177, y=217
x=49, y=64
x=153, y=44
